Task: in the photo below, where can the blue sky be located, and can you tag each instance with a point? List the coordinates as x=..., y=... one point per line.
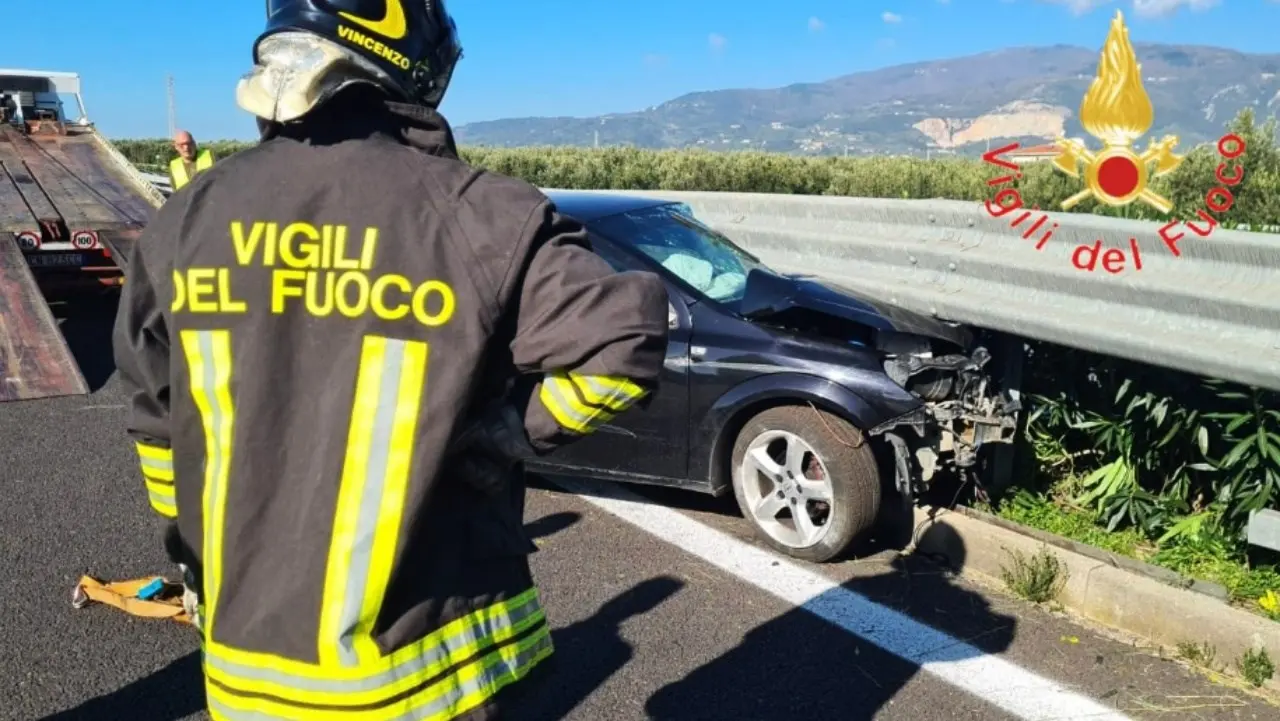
x=586, y=57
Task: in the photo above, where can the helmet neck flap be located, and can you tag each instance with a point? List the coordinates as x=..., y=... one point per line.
x=311, y=49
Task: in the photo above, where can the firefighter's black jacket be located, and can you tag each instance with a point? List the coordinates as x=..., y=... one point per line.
x=304, y=327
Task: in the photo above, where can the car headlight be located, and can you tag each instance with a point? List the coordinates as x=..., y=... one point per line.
x=897, y=349
x=903, y=344
x=897, y=371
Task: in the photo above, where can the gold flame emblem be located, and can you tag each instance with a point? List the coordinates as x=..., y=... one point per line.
x=1117, y=110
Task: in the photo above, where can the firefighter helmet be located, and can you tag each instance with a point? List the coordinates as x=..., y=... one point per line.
x=413, y=44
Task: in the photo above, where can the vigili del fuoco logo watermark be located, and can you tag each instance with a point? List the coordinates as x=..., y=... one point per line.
x=1117, y=111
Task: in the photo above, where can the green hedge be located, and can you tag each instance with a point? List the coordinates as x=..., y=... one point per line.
x=1257, y=197
x=1172, y=456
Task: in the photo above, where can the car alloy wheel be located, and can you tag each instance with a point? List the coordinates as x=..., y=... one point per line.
x=786, y=485
x=823, y=467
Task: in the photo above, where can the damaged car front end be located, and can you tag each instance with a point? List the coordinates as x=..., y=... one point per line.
x=809, y=400
x=963, y=400
x=963, y=408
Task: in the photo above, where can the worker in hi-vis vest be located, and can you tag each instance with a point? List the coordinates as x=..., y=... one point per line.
x=190, y=161
x=339, y=347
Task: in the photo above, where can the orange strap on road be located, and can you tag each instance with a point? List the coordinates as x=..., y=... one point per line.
x=124, y=596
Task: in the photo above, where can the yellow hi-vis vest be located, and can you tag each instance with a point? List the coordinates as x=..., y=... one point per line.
x=178, y=169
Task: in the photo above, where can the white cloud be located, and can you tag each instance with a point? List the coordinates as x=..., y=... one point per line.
x=891, y=18
x=1162, y=8
x=717, y=42
x=1080, y=7
x=1141, y=8
x=816, y=25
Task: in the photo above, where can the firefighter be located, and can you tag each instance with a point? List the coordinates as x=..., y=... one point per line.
x=191, y=160
x=340, y=344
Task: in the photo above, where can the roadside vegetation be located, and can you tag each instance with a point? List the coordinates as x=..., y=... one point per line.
x=1141, y=461
x=1149, y=463
x=1257, y=197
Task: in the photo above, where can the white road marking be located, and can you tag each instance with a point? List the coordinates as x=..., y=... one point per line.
x=1003, y=684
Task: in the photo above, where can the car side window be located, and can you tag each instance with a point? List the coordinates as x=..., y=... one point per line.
x=614, y=257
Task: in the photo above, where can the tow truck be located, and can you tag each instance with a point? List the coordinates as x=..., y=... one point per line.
x=70, y=205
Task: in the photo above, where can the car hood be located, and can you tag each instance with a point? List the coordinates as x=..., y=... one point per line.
x=769, y=294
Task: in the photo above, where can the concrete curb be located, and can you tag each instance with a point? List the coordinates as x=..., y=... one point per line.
x=1106, y=593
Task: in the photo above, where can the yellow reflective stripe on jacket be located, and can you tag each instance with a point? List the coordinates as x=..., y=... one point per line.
x=208, y=356
x=178, y=169
x=157, y=471
x=371, y=497
x=580, y=402
x=444, y=675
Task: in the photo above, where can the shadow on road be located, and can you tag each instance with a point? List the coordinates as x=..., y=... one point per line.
x=595, y=646
x=86, y=319
x=174, y=692
x=551, y=524
x=800, y=665
x=589, y=652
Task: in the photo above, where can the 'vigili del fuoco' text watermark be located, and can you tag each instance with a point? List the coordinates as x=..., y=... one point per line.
x=1117, y=111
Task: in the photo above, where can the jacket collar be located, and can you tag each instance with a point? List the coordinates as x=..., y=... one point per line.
x=423, y=128
x=361, y=112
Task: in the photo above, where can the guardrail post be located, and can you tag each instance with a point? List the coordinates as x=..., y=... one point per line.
x=1264, y=529
x=1009, y=355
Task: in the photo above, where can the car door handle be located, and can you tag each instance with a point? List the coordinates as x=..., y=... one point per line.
x=697, y=352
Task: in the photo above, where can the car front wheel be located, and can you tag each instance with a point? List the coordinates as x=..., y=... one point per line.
x=807, y=480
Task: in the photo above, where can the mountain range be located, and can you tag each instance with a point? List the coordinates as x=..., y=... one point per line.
x=960, y=105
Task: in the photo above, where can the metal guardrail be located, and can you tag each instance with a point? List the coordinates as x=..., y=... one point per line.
x=1214, y=310
x=1263, y=530
x=159, y=183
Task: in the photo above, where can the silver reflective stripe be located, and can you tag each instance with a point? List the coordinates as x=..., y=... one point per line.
x=156, y=464
x=615, y=398
x=214, y=464
x=375, y=478
x=584, y=423
x=475, y=632
x=491, y=677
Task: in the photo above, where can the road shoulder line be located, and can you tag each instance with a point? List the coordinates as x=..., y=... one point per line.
x=1005, y=685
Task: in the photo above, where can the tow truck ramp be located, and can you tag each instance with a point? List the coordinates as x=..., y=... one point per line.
x=70, y=205
x=35, y=361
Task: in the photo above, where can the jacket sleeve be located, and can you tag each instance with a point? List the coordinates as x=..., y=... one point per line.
x=592, y=339
x=141, y=342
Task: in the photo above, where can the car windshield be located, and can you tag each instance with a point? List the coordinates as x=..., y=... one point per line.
x=709, y=262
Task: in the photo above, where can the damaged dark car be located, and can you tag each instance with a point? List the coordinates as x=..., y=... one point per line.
x=817, y=406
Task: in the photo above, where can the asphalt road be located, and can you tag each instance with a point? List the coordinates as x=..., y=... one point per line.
x=663, y=608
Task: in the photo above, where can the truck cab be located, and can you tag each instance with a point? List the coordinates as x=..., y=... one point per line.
x=35, y=101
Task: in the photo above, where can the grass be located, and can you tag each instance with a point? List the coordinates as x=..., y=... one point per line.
x=1199, y=654
x=1256, y=666
x=1037, y=578
x=1206, y=558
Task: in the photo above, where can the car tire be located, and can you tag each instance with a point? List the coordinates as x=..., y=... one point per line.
x=828, y=458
